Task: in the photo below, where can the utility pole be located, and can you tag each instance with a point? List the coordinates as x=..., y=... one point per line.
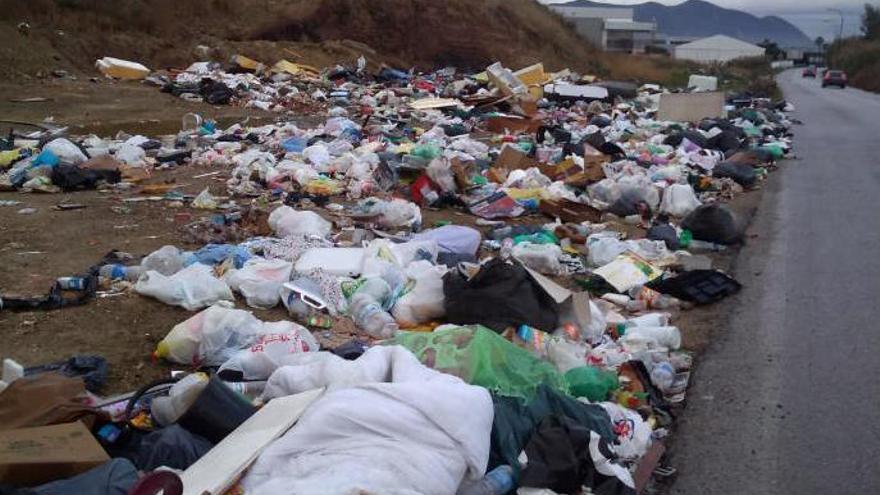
x=840, y=14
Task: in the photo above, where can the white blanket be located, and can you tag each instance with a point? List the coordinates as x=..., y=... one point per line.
x=387, y=425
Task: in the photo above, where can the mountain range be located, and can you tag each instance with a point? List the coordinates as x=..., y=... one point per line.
x=698, y=18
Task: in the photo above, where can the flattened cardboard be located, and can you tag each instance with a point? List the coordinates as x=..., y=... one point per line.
x=33, y=456
x=690, y=107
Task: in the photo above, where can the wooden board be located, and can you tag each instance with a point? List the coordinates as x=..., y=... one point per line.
x=217, y=470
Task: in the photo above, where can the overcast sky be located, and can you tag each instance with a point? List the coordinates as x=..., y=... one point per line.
x=811, y=16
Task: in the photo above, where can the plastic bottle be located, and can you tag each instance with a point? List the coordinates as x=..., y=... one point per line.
x=71, y=283
x=654, y=299
x=371, y=318
x=496, y=482
x=663, y=375
x=168, y=409
x=119, y=272
x=319, y=321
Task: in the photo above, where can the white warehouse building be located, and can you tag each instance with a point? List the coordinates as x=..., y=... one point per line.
x=718, y=48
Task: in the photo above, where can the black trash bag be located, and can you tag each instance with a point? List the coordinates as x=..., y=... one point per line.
x=563, y=456
x=666, y=233
x=741, y=173
x=698, y=286
x=501, y=295
x=54, y=299
x=696, y=137
x=72, y=177
x=172, y=446
x=217, y=411
x=674, y=139
x=725, y=141
x=92, y=369
x=600, y=121
x=215, y=92
x=595, y=140
x=517, y=419
x=713, y=223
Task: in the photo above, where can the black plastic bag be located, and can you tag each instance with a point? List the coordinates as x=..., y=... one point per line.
x=72, y=177
x=501, y=295
x=742, y=173
x=713, y=223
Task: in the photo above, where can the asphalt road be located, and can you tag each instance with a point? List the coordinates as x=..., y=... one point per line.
x=787, y=398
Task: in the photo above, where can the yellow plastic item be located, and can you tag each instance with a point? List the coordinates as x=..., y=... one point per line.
x=295, y=69
x=121, y=69
x=535, y=78
x=7, y=157
x=246, y=63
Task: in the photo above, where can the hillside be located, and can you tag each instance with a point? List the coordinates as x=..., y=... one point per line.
x=697, y=18
x=71, y=34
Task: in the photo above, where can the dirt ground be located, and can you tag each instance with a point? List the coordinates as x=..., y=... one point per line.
x=106, y=107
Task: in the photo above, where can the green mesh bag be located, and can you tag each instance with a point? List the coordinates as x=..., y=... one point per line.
x=481, y=357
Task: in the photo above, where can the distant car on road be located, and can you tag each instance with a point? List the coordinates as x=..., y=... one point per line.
x=834, y=78
x=809, y=72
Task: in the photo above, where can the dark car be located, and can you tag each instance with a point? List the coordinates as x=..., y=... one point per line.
x=809, y=72
x=834, y=78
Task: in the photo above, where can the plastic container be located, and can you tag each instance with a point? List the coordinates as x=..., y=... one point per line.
x=370, y=317
x=71, y=283
x=119, y=272
x=168, y=409
x=217, y=411
x=496, y=482
x=663, y=375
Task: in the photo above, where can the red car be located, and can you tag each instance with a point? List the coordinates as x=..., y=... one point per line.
x=834, y=78
x=809, y=72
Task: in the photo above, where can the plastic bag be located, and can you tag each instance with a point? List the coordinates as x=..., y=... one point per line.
x=67, y=152
x=423, y=300
x=192, y=288
x=260, y=280
x=272, y=349
x=210, y=337
x=455, y=239
x=641, y=338
x=713, y=223
x=592, y=383
x=130, y=154
x=633, y=433
x=287, y=222
x=166, y=260
x=543, y=258
x=205, y=200
x=481, y=357
x=679, y=200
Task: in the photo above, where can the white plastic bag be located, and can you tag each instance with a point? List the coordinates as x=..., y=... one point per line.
x=286, y=222
x=543, y=258
x=424, y=300
x=130, y=154
x=456, y=239
x=166, y=260
x=259, y=281
x=210, y=337
x=633, y=433
x=67, y=152
x=275, y=346
x=679, y=200
x=192, y=288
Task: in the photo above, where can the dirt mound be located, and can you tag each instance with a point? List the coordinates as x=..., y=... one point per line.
x=428, y=33
x=72, y=34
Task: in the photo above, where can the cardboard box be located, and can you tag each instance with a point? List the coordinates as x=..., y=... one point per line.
x=33, y=456
x=690, y=107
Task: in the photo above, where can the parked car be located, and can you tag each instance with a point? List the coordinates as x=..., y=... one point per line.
x=809, y=72
x=834, y=78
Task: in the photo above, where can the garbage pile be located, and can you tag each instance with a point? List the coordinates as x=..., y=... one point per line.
x=533, y=349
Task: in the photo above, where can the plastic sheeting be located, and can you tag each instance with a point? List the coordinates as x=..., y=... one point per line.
x=427, y=431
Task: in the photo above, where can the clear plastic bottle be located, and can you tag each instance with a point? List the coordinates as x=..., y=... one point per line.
x=496, y=482
x=370, y=317
x=663, y=375
x=119, y=272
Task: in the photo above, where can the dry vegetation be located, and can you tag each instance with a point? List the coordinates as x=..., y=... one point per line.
x=71, y=34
